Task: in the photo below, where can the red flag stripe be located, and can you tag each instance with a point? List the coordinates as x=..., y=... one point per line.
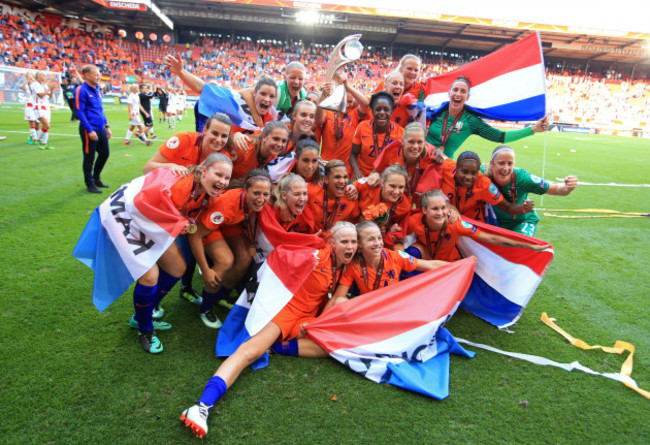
x=522, y=54
x=536, y=261
x=393, y=310
x=154, y=201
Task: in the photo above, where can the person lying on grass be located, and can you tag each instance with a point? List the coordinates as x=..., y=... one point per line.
x=286, y=325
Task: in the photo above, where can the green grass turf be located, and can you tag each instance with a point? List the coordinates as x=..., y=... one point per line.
x=71, y=374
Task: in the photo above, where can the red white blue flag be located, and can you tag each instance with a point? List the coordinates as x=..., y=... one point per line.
x=505, y=278
x=508, y=84
x=279, y=278
x=128, y=233
x=395, y=334
x=216, y=99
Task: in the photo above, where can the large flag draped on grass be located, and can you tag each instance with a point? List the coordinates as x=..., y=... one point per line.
x=127, y=234
x=505, y=278
x=395, y=335
x=508, y=84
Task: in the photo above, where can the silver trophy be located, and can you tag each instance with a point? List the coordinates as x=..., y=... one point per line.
x=346, y=51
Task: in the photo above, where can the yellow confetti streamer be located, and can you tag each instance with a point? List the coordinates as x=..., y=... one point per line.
x=618, y=348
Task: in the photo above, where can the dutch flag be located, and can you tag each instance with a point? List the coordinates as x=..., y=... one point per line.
x=128, y=233
x=506, y=277
x=508, y=84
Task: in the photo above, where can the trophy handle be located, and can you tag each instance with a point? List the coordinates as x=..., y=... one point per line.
x=336, y=101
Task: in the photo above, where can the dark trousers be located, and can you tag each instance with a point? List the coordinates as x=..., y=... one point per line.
x=90, y=147
x=74, y=113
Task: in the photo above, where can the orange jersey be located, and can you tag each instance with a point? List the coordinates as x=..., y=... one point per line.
x=339, y=148
x=306, y=303
x=394, y=262
x=246, y=160
x=185, y=149
x=400, y=115
x=372, y=196
x=181, y=194
x=482, y=191
x=364, y=138
x=447, y=250
x=393, y=154
x=303, y=223
x=347, y=210
x=225, y=210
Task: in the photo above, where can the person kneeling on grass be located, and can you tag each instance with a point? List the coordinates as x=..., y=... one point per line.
x=301, y=309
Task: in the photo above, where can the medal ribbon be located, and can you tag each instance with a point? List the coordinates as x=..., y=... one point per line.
x=441, y=235
x=327, y=222
x=204, y=203
x=335, y=280
x=468, y=195
x=380, y=271
x=384, y=143
x=444, y=133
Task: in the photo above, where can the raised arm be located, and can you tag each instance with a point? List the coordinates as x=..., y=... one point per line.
x=559, y=189
x=175, y=65
x=503, y=241
x=513, y=209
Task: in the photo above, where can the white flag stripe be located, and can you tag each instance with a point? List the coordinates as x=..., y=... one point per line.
x=276, y=296
x=418, y=344
x=139, y=264
x=515, y=282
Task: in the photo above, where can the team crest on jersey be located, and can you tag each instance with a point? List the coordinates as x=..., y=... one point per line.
x=216, y=218
x=406, y=256
x=363, y=180
x=173, y=142
x=467, y=225
x=459, y=126
x=536, y=179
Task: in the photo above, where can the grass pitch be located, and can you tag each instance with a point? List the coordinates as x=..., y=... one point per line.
x=71, y=374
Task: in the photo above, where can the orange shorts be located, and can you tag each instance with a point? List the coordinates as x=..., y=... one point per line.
x=232, y=230
x=212, y=236
x=290, y=322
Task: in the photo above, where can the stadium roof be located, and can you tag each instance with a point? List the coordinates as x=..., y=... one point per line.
x=459, y=33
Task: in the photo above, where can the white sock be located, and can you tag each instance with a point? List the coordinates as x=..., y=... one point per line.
x=44, y=137
x=128, y=134
x=32, y=134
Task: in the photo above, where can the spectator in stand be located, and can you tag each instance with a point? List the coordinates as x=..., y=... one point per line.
x=93, y=128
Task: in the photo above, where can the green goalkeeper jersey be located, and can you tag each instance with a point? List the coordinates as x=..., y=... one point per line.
x=467, y=125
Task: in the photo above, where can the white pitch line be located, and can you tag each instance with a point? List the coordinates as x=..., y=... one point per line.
x=609, y=184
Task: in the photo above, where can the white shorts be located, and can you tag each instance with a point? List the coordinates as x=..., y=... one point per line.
x=44, y=112
x=30, y=113
x=171, y=109
x=135, y=120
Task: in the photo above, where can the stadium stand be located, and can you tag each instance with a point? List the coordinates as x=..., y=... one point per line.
x=574, y=97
